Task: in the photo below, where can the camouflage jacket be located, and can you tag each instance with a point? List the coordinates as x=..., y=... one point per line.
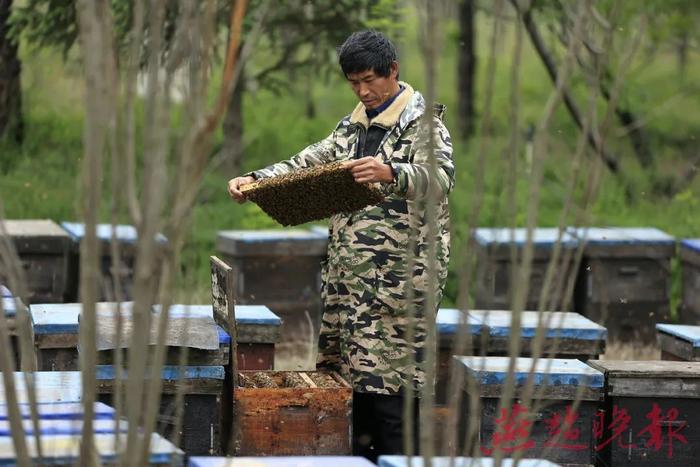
x=367, y=286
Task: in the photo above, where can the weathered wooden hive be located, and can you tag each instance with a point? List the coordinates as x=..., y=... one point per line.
x=282, y=413
x=679, y=342
x=650, y=414
x=291, y=413
x=42, y=247
x=311, y=194
x=624, y=282
x=203, y=378
x=126, y=237
x=282, y=270
x=557, y=424
x=494, y=286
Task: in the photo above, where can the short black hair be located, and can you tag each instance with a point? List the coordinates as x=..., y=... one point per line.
x=367, y=50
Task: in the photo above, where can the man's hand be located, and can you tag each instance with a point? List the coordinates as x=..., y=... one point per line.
x=370, y=170
x=234, y=188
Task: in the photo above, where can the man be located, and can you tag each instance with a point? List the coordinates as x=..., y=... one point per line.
x=367, y=284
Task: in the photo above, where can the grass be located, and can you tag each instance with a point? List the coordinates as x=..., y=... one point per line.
x=40, y=179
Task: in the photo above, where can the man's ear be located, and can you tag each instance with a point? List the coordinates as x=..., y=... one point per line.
x=394, y=70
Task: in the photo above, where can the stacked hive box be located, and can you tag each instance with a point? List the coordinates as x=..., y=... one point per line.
x=203, y=378
x=690, y=264
x=494, y=286
x=650, y=412
x=126, y=237
x=291, y=413
x=60, y=417
x=203, y=392
x=453, y=325
x=56, y=329
x=679, y=342
x=42, y=247
x=56, y=335
x=564, y=335
x=282, y=270
x=282, y=413
x=625, y=278
x=557, y=425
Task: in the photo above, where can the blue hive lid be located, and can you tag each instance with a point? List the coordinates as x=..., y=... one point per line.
x=448, y=322
x=692, y=244
x=4, y=291
x=55, y=318
x=622, y=235
x=684, y=332
x=273, y=461
x=124, y=233
x=169, y=372
x=561, y=324
x=551, y=372
x=541, y=237
x=401, y=461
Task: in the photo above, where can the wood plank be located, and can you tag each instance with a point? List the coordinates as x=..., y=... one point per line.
x=654, y=387
x=292, y=242
x=646, y=369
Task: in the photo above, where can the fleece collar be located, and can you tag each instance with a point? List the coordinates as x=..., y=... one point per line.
x=390, y=116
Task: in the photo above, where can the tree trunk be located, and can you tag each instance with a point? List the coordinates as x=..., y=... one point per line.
x=11, y=124
x=466, y=68
x=232, y=147
x=682, y=52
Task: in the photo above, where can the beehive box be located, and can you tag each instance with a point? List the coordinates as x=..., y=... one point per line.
x=537, y=431
x=208, y=344
x=494, y=266
x=291, y=413
x=450, y=325
x=42, y=247
x=203, y=393
x=625, y=279
x=690, y=265
x=258, y=333
x=282, y=270
x=401, y=461
x=566, y=334
x=650, y=413
x=680, y=342
x=292, y=461
x=60, y=415
x=56, y=335
x=311, y=194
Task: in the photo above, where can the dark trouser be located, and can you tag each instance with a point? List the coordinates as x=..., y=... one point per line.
x=377, y=425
